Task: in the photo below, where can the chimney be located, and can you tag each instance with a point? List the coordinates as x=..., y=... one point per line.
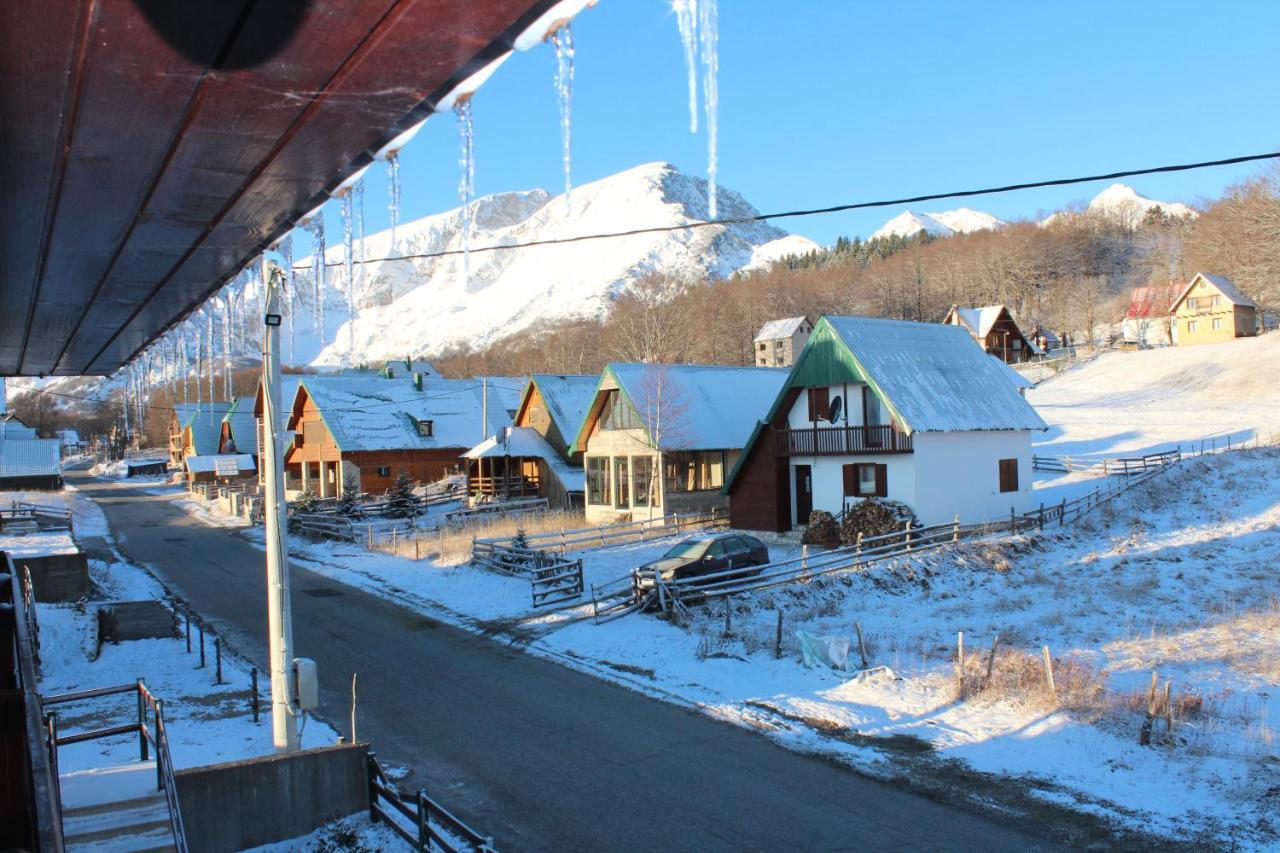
x=417, y=381
x=408, y=364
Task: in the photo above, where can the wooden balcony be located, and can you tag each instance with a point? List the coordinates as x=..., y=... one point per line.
x=841, y=441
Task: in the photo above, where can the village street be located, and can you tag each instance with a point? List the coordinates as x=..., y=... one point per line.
x=543, y=757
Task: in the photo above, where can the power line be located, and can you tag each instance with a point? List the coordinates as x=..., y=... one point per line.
x=818, y=211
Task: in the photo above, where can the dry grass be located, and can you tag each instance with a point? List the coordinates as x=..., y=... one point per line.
x=452, y=545
x=1019, y=677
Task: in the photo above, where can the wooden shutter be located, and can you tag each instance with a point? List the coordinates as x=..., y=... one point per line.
x=1008, y=475
x=850, y=479
x=882, y=481
x=819, y=404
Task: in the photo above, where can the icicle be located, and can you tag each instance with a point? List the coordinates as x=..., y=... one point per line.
x=562, y=40
x=358, y=203
x=466, y=180
x=226, y=346
x=290, y=286
x=709, y=34
x=687, y=20
x=348, y=260
x=393, y=194
x=318, y=273
x=208, y=318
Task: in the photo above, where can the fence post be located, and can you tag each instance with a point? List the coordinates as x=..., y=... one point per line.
x=804, y=558
x=253, y=678
x=862, y=647
x=201, y=666
x=777, y=637
x=955, y=529
x=142, y=721
x=858, y=544
x=1048, y=669
x=371, y=763
x=960, y=661
x=188, y=632
x=1013, y=520
x=991, y=660
x=217, y=660
x=728, y=615
x=423, y=840
x=1062, y=513
x=159, y=726
x=1041, y=519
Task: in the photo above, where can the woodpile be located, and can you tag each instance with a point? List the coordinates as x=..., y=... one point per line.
x=822, y=530
x=875, y=517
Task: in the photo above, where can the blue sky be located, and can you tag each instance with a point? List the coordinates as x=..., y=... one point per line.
x=840, y=101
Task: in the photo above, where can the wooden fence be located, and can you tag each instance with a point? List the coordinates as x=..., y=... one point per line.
x=644, y=590
x=600, y=536
x=552, y=579
x=422, y=822
x=44, y=516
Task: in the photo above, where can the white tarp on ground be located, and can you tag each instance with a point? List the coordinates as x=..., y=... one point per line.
x=824, y=651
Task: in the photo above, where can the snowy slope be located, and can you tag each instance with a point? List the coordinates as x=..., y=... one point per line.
x=1123, y=403
x=963, y=220
x=425, y=306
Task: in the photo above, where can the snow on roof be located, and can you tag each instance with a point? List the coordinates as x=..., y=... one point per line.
x=1153, y=300
x=15, y=430
x=528, y=442
x=979, y=320
x=934, y=377
x=699, y=406
x=1018, y=380
x=1225, y=285
x=567, y=398
x=407, y=367
x=374, y=413
x=30, y=457
x=243, y=425
x=206, y=464
x=776, y=330
x=205, y=421
x=504, y=392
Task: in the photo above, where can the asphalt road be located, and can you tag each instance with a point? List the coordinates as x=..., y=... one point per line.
x=538, y=755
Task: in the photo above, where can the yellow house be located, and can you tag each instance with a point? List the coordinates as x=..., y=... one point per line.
x=1210, y=310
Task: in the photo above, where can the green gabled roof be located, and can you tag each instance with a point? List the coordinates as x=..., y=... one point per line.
x=825, y=360
x=586, y=413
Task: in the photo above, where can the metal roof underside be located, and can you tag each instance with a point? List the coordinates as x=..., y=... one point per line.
x=151, y=149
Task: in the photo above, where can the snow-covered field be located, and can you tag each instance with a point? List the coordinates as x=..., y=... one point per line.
x=1134, y=402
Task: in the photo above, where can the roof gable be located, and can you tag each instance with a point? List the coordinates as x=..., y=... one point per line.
x=566, y=396
x=691, y=406
x=1222, y=284
x=778, y=329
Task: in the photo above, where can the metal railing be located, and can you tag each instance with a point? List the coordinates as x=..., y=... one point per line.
x=42, y=805
x=153, y=735
x=840, y=441
x=431, y=826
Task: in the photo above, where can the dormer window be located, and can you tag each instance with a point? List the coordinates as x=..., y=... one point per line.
x=426, y=429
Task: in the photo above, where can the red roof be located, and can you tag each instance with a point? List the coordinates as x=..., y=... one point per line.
x=1153, y=300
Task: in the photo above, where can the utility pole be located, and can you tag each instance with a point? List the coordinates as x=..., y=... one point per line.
x=284, y=728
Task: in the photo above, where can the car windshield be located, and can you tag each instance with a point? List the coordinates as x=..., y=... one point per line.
x=692, y=548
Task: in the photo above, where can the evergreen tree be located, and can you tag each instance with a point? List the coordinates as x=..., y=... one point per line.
x=402, y=502
x=348, y=503
x=305, y=502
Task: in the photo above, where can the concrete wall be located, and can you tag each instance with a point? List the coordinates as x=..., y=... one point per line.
x=58, y=577
x=241, y=804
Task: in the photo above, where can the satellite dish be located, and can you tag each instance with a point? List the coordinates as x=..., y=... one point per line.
x=837, y=407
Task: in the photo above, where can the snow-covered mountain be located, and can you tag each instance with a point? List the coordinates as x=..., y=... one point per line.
x=963, y=220
x=425, y=306
x=1122, y=203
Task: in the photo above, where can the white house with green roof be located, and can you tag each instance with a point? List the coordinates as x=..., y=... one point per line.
x=912, y=412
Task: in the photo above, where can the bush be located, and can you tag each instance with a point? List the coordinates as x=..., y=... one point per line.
x=305, y=502
x=401, y=501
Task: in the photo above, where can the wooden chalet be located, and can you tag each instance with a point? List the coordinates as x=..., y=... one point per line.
x=875, y=408
x=1211, y=309
x=533, y=456
x=995, y=330
x=194, y=429
x=659, y=439
x=362, y=430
